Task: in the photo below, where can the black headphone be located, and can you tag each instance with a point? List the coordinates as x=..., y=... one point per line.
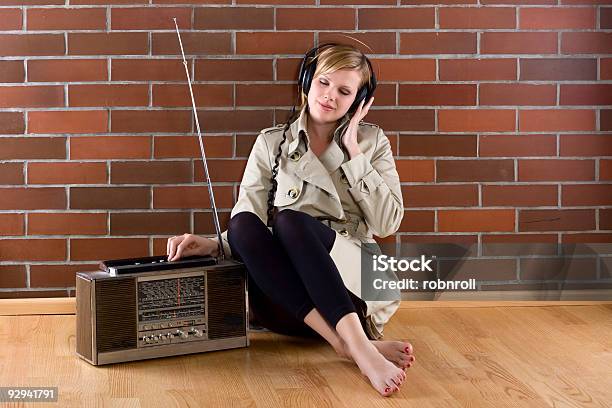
x=309, y=65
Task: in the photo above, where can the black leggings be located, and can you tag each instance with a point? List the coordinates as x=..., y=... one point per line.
x=291, y=271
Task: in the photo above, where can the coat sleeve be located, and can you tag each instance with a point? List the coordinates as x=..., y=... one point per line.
x=254, y=187
x=375, y=186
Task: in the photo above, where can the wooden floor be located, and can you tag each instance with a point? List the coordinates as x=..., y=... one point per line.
x=553, y=356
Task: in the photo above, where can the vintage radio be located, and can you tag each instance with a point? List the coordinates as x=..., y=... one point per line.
x=144, y=308
x=147, y=308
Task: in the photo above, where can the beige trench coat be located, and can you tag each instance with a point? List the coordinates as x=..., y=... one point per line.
x=360, y=196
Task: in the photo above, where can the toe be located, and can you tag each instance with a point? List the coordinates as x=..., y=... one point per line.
x=407, y=359
x=389, y=390
x=408, y=349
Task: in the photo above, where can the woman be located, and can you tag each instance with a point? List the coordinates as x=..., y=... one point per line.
x=315, y=189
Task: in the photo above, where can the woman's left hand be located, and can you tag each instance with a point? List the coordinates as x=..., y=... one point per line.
x=349, y=139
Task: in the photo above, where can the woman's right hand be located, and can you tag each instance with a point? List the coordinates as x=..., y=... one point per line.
x=188, y=245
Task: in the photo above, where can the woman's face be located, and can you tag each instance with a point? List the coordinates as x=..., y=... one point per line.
x=332, y=94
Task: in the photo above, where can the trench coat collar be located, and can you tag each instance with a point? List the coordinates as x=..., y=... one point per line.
x=334, y=156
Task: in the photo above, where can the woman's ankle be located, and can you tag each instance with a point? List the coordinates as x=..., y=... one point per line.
x=341, y=349
x=360, y=347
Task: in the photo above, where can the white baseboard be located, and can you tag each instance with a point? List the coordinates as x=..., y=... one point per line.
x=67, y=306
x=496, y=298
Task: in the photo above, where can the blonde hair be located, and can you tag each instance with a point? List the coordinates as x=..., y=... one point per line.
x=334, y=57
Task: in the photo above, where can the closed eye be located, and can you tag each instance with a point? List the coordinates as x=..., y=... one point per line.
x=325, y=83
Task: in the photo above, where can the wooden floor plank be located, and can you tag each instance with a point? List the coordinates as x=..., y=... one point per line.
x=550, y=356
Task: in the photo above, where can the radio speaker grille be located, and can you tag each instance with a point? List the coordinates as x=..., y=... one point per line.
x=116, y=327
x=226, y=304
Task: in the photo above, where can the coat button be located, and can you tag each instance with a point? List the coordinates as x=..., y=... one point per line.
x=293, y=193
x=295, y=156
x=343, y=178
x=343, y=232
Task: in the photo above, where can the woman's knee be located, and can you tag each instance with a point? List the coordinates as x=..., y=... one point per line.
x=243, y=224
x=289, y=222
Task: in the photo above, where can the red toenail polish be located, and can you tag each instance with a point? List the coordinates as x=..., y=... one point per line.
x=407, y=350
x=387, y=389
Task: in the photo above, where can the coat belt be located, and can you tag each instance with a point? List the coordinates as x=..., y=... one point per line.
x=344, y=227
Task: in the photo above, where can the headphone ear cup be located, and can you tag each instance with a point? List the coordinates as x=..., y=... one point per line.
x=361, y=95
x=307, y=69
x=301, y=76
x=308, y=75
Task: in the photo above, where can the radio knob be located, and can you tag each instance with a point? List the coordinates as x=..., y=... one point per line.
x=182, y=334
x=197, y=333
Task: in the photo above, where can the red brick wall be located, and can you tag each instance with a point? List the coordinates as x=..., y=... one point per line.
x=499, y=112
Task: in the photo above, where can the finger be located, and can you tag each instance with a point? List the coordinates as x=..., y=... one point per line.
x=360, y=105
x=173, y=244
x=366, y=109
x=179, y=250
x=370, y=102
x=168, y=244
x=169, y=247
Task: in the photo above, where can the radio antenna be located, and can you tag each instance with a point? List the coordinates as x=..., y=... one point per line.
x=195, y=114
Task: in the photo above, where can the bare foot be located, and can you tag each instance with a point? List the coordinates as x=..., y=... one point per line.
x=397, y=352
x=385, y=377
